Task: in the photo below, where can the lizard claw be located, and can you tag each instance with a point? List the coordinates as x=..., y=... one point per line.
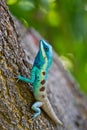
x=17, y=80
x=31, y=120
x=32, y=117
x=16, y=77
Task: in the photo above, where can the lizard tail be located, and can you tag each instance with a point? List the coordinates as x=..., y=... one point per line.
x=50, y=112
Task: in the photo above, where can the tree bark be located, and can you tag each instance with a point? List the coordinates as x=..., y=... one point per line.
x=16, y=98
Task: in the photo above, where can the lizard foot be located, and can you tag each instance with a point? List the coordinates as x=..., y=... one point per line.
x=16, y=77
x=31, y=120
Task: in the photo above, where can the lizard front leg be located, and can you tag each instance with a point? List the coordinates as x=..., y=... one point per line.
x=32, y=76
x=27, y=80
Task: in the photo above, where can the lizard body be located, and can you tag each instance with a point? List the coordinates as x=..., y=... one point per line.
x=38, y=77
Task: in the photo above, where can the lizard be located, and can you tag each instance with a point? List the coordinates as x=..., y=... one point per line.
x=38, y=77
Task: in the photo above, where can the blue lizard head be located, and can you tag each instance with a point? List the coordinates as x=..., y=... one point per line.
x=46, y=50
x=44, y=55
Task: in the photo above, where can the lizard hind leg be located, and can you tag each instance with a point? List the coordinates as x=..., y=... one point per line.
x=36, y=108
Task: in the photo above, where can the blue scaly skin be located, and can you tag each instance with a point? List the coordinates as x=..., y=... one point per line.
x=38, y=77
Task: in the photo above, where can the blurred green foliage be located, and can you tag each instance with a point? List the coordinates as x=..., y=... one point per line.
x=64, y=24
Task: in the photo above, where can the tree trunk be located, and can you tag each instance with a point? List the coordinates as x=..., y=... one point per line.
x=16, y=98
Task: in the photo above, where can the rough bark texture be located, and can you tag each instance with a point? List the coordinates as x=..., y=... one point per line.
x=16, y=98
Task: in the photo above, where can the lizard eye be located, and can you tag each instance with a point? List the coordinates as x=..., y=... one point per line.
x=46, y=48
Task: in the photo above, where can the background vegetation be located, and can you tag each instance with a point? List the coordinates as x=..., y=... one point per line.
x=64, y=24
